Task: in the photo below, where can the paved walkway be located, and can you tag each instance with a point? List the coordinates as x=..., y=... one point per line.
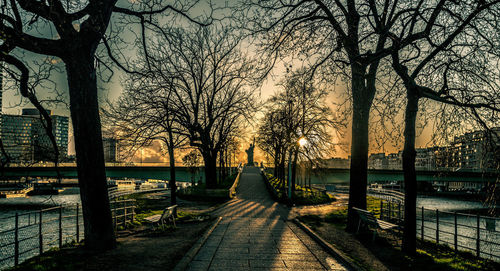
x=254, y=235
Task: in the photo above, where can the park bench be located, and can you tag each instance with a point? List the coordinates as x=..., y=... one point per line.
x=367, y=218
x=168, y=214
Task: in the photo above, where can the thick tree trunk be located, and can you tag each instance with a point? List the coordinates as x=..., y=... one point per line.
x=210, y=169
x=99, y=234
x=410, y=176
x=172, y=182
x=359, y=147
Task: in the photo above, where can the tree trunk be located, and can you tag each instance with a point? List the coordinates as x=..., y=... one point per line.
x=210, y=161
x=410, y=176
x=172, y=182
x=294, y=170
x=359, y=147
x=99, y=234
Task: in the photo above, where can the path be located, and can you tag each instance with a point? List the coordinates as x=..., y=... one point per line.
x=254, y=235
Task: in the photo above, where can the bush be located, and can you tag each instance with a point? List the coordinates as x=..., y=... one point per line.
x=302, y=195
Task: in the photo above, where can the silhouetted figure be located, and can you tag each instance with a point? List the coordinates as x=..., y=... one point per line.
x=249, y=152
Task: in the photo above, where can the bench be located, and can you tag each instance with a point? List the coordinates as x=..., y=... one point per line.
x=168, y=214
x=368, y=219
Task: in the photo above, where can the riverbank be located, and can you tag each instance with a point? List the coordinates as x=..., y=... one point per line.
x=139, y=247
x=385, y=252
x=138, y=251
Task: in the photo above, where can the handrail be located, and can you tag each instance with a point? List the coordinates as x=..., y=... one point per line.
x=232, y=190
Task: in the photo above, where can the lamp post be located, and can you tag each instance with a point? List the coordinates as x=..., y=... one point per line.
x=300, y=143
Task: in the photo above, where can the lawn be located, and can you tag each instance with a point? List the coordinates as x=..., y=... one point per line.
x=385, y=253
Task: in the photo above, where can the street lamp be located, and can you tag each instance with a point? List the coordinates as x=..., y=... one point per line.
x=300, y=143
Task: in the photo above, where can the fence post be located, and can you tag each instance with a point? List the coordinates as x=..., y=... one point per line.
x=437, y=226
x=456, y=233
x=399, y=211
x=16, y=241
x=40, y=234
x=390, y=213
x=115, y=219
x=60, y=226
x=133, y=211
x=422, y=227
x=381, y=209
x=478, y=240
x=125, y=214
x=77, y=224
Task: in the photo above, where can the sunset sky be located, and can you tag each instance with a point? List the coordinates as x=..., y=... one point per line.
x=12, y=104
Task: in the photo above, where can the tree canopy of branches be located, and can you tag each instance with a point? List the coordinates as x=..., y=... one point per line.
x=349, y=39
x=72, y=31
x=206, y=74
x=144, y=113
x=298, y=111
x=456, y=65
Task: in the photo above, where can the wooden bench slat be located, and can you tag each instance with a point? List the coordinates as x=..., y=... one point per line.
x=167, y=213
x=369, y=218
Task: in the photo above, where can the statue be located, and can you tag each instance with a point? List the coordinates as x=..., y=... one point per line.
x=249, y=152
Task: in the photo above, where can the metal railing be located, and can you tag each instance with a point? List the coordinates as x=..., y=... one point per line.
x=475, y=233
x=465, y=232
x=28, y=234
x=116, y=192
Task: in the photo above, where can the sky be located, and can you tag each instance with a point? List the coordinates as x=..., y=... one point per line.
x=12, y=104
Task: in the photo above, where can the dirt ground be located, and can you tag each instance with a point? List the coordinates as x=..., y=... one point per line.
x=342, y=240
x=149, y=252
x=322, y=209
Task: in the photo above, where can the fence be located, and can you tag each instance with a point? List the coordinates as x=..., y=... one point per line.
x=116, y=192
x=466, y=232
x=29, y=234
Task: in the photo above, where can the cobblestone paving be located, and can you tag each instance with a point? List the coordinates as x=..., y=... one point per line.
x=254, y=235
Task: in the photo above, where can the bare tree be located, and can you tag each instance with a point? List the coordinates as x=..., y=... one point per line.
x=72, y=32
x=208, y=75
x=336, y=37
x=192, y=160
x=455, y=65
x=144, y=113
x=298, y=112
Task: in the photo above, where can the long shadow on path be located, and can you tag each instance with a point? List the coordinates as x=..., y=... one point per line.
x=254, y=235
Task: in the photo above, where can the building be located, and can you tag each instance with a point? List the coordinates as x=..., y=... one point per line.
x=377, y=161
x=110, y=149
x=336, y=162
x=395, y=161
x=471, y=151
x=25, y=139
x=425, y=159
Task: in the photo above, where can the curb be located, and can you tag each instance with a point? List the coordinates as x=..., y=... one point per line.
x=330, y=249
x=184, y=262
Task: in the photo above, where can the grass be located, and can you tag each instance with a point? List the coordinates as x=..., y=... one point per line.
x=53, y=259
x=430, y=256
x=218, y=194
x=301, y=195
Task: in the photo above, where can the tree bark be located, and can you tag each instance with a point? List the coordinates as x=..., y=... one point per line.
x=210, y=160
x=99, y=234
x=172, y=182
x=410, y=176
x=359, y=147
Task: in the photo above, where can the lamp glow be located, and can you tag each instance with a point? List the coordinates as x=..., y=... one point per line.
x=302, y=141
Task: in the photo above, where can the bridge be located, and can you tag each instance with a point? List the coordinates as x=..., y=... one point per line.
x=341, y=175
x=113, y=172
x=330, y=175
